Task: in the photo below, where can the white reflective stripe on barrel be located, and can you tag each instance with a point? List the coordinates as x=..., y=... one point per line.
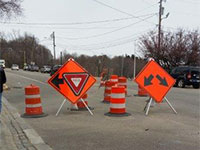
x=122, y=84
x=108, y=88
x=114, y=80
x=115, y=105
x=106, y=94
x=116, y=95
x=33, y=105
x=32, y=96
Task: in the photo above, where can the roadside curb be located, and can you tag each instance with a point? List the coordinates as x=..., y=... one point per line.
x=23, y=134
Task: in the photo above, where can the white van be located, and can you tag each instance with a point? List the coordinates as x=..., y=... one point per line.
x=2, y=63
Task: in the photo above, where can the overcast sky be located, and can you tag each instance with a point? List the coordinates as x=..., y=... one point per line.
x=96, y=27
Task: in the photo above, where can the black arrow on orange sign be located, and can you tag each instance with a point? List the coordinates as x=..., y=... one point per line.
x=162, y=80
x=147, y=81
x=56, y=81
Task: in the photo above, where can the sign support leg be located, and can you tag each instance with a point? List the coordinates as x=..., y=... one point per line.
x=148, y=106
x=87, y=107
x=147, y=102
x=170, y=105
x=61, y=107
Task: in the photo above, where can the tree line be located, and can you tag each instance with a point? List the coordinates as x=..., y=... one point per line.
x=23, y=50
x=119, y=65
x=177, y=48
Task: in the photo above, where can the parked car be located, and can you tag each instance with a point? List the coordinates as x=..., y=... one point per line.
x=45, y=69
x=15, y=67
x=186, y=75
x=34, y=68
x=26, y=67
x=54, y=69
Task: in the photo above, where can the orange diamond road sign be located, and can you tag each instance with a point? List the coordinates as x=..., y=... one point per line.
x=72, y=81
x=155, y=80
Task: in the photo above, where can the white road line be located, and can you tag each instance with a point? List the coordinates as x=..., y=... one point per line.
x=32, y=79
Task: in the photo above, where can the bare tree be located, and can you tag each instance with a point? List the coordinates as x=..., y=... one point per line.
x=177, y=48
x=25, y=49
x=10, y=8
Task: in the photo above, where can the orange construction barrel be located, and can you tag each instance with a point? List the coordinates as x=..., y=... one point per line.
x=122, y=81
x=33, y=103
x=80, y=105
x=141, y=91
x=117, y=102
x=114, y=79
x=107, y=91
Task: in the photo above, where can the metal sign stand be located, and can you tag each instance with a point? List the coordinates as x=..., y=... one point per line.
x=87, y=107
x=64, y=101
x=147, y=107
x=61, y=107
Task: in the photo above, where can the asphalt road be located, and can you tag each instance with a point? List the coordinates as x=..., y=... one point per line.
x=75, y=130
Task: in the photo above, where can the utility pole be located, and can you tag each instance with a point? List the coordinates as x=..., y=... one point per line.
x=134, y=66
x=122, y=68
x=61, y=58
x=0, y=48
x=134, y=69
x=32, y=52
x=54, y=46
x=24, y=57
x=159, y=23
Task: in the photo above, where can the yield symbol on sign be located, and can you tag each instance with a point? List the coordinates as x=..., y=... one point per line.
x=76, y=81
x=147, y=81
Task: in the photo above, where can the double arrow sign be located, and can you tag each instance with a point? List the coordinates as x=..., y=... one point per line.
x=147, y=81
x=155, y=80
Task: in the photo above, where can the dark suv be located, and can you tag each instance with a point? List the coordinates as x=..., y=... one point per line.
x=54, y=69
x=186, y=75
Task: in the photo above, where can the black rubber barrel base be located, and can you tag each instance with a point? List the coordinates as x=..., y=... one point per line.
x=106, y=102
x=34, y=116
x=141, y=95
x=117, y=115
x=82, y=109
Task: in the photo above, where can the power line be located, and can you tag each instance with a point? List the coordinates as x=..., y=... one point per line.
x=121, y=11
x=100, y=47
x=155, y=4
x=67, y=28
x=118, y=39
x=102, y=34
x=116, y=42
x=146, y=2
x=73, y=23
